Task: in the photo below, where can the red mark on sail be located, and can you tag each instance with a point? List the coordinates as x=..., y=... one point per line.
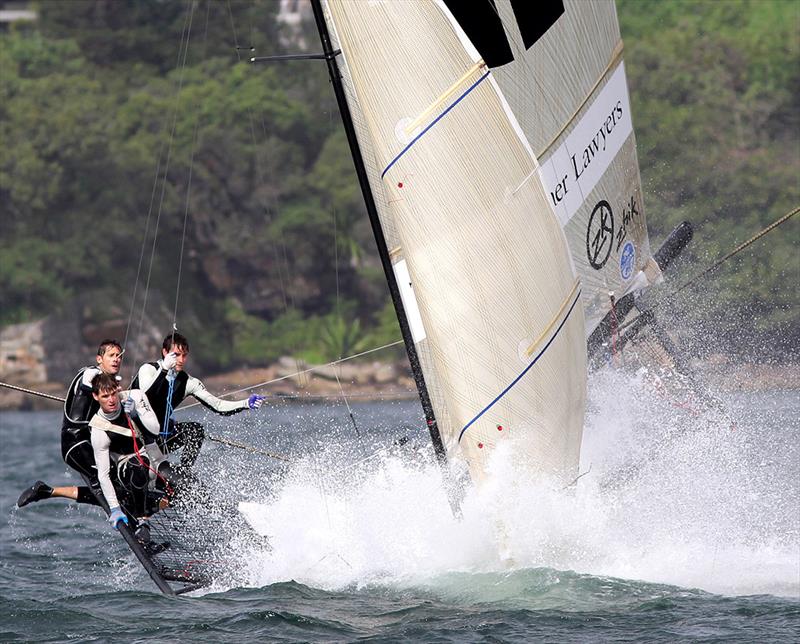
x=480, y=445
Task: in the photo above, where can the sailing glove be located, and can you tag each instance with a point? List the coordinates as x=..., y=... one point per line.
x=255, y=401
x=116, y=517
x=129, y=406
x=169, y=361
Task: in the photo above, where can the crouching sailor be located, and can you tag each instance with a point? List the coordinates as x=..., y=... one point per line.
x=130, y=467
x=166, y=384
x=76, y=449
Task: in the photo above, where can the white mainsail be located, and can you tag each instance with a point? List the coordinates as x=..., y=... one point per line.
x=480, y=256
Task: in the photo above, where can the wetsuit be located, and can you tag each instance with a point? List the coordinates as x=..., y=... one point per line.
x=76, y=448
x=126, y=454
x=154, y=381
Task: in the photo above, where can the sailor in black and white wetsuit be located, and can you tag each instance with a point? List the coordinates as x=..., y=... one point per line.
x=166, y=385
x=76, y=448
x=125, y=450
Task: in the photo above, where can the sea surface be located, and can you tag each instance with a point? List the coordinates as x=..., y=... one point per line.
x=684, y=526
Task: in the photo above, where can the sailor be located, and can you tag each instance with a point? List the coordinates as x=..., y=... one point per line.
x=166, y=384
x=129, y=463
x=76, y=448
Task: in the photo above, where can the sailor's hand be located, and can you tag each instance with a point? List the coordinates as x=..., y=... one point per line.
x=88, y=375
x=129, y=406
x=255, y=401
x=169, y=361
x=116, y=517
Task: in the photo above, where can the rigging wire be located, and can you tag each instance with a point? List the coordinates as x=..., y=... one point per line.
x=183, y=50
x=144, y=244
x=189, y=186
x=165, y=143
x=338, y=302
x=182, y=68
x=301, y=372
x=279, y=254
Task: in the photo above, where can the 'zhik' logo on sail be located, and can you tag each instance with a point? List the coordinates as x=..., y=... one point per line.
x=600, y=235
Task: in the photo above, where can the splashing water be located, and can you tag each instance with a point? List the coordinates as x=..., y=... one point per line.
x=671, y=496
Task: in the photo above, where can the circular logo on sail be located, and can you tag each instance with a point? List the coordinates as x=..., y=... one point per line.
x=599, y=235
x=627, y=260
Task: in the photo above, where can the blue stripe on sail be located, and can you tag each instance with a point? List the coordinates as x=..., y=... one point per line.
x=526, y=370
x=434, y=122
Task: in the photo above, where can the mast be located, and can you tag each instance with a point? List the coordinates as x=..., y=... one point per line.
x=380, y=241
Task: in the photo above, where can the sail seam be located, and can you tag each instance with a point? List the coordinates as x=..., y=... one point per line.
x=434, y=122
x=526, y=370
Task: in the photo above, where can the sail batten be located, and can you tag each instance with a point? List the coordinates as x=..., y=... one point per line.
x=434, y=122
x=525, y=371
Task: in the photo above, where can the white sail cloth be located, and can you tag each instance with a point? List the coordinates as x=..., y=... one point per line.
x=480, y=255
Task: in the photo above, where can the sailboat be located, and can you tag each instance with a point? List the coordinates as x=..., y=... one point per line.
x=495, y=148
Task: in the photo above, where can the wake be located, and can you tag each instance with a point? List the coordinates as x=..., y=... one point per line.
x=670, y=497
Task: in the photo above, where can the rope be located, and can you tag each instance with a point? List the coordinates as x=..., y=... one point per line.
x=249, y=448
x=717, y=264
x=169, y=410
x=31, y=392
x=344, y=397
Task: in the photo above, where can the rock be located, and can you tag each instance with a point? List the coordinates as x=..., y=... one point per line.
x=22, y=355
x=94, y=334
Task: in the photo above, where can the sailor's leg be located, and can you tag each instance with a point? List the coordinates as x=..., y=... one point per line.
x=40, y=491
x=189, y=436
x=80, y=457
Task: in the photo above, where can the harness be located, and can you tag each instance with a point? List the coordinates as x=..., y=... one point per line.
x=131, y=458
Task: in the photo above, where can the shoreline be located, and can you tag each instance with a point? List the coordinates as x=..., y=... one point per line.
x=294, y=381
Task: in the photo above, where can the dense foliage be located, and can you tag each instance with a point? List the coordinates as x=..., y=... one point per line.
x=118, y=120
x=715, y=92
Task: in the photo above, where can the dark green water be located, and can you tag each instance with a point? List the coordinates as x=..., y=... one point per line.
x=703, y=546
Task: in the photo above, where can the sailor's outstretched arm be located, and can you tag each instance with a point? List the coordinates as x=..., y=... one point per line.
x=224, y=407
x=102, y=456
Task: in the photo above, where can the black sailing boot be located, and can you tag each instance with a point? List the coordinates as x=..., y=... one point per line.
x=36, y=492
